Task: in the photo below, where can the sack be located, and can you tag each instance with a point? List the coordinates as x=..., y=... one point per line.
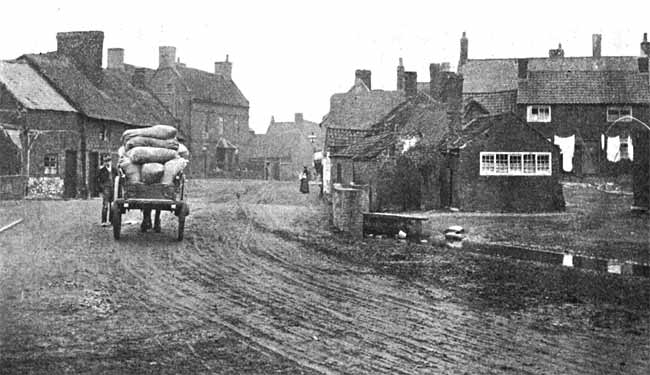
x=183, y=151
x=152, y=173
x=137, y=141
x=141, y=155
x=157, y=131
x=131, y=170
x=172, y=168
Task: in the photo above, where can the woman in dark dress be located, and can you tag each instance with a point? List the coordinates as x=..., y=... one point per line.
x=304, y=181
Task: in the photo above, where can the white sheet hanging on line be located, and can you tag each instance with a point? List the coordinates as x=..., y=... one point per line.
x=567, y=145
x=614, y=148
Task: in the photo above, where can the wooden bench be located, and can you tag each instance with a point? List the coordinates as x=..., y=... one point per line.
x=391, y=223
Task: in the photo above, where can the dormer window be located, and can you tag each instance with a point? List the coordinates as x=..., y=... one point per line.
x=539, y=113
x=615, y=113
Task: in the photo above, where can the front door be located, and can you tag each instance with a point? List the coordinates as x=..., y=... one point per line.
x=70, y=177
x=93, y=169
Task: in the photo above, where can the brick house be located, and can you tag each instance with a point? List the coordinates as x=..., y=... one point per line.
x=80, y=115
x=500, y=163
x=571, y=100
x=285, y=148
x=212, y=111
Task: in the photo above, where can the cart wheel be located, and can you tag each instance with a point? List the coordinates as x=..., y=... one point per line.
x=117, y=221
x=182, y=212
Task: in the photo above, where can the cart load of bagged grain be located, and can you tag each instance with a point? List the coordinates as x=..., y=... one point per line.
x=152, y=155
x=156, y=131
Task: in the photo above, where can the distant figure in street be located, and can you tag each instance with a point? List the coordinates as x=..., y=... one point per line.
x=105, y=178
x=304, y=181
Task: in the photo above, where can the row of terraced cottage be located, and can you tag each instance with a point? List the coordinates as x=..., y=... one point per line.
x=496, y=135
x=61, y=112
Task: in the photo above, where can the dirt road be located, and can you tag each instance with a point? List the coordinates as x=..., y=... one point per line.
x=255, y=289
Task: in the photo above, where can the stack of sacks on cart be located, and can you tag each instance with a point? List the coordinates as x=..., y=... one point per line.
x=152, y=155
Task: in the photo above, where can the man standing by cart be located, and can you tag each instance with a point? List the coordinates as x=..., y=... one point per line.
x=105, y=179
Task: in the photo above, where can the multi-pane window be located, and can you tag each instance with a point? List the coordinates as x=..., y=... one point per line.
x=538, y=113
x=615, y=113
x=515, y=163
x=51, y=163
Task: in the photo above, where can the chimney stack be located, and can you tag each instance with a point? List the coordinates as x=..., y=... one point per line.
x=138, y=79
x=595, y=45
x=223, y=68
x=522, y=65
x=298, y=119
x=463, y=50
x=115, y=58
x=645, y=46
x=84, y=48
x=401, y=79
x=166, y=57
x=556, y=53
x=365, y=77
x=435, y=72
x=410, y=83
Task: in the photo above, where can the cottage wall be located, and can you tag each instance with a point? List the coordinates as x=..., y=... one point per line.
x=473, y=192
x=588, y=122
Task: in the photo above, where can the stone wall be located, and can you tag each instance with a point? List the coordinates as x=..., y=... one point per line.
x=348, y=206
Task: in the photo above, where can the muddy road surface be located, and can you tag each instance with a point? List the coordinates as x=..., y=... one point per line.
x=254, y=288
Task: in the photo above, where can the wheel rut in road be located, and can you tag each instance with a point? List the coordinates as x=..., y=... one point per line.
x=331, y=317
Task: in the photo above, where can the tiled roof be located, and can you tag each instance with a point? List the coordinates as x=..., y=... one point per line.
x=492, y=75
x=113, y=99
x=419, y=115
x=494, y=102
x=211, y=87
x=360, y=109
x=584, y=87
x=30, y=89
x=489, y=75
x=338, y=138
x=368, y=147
x=480, y=125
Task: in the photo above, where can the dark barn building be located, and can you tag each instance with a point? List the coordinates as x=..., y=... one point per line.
x=500, y=163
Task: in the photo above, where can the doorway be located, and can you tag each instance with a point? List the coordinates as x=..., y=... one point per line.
x=93, y=169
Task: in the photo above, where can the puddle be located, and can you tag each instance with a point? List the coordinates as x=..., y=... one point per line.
x=613, y=266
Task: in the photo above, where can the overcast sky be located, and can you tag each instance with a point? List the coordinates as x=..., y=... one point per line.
x=291, y=56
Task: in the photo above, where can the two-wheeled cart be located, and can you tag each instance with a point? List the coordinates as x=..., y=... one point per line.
x=139, y=196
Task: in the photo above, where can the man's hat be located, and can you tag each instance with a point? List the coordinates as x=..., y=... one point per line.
x=107, y=158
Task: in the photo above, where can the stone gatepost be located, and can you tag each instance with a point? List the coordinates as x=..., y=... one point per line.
x=348, y=205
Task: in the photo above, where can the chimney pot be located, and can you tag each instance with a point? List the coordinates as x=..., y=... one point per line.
x=365, y=76
x=596, y=45
x=463, y=50
x=298, y=118
x=166, y=57
x=555, y=53
x=522, y=65
x=115, y=58
x=85, y=49
x=401, y=79
x=645, y=46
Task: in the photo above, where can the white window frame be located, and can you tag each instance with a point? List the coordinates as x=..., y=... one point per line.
x=616, y=113
x=491, y=164
x=533, y=113
x=51, y=168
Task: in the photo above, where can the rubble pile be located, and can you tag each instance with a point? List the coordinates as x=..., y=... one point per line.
x=152, y=155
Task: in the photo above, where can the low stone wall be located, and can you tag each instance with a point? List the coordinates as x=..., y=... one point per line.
x=45, y=187
x=348, y=205
x=12, y=187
